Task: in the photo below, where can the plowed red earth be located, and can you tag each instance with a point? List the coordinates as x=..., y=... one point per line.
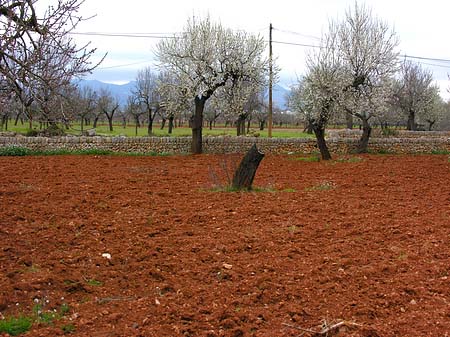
x=364, y=242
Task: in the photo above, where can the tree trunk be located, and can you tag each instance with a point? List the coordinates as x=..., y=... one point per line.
x=110, y=123
x=16, y=121
x=136, y=125
x=163, y=123
x=411, y=125
x=240, y=125
x=171, y=119
x=95, y=122
x=197, y=125
x=364, y=140
x=82, y=125
x=3, y=123
x=321, y=143
x=349, y=120
x=309, y=129
x=244, y=175
x=150, y=123
x=261, y=125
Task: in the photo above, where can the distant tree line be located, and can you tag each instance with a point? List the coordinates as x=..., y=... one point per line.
x=210, y=74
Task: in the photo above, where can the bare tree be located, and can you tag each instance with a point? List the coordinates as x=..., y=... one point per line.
x=37, y=51
x=86, y=103
x=414, y=93
x=207, y=56
x=436, y=113
x=444, y=117
x=146, y=93
x=109, y=105
x=96, y=115
x=134, y=109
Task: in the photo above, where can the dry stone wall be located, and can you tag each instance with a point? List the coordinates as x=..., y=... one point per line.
x=227, y=144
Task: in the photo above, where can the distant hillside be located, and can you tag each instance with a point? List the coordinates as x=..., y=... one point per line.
x=279, y=96
x=122, y=91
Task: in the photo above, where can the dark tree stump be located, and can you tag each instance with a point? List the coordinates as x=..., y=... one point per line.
x=244, y=175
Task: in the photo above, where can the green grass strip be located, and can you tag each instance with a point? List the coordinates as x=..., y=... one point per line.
x=17, y=151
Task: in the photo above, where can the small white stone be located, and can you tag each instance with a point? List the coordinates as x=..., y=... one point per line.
x=106, y=256
x=227, y=266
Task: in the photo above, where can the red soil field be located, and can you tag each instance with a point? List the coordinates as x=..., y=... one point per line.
x=363, y=242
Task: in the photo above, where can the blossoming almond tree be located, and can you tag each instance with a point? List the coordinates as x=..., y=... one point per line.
x=367, y=50
x=316, y=95
x=238, y=101
x=174, y=98
x=207, y=56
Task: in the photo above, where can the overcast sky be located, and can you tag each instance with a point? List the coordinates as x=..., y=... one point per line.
x=422, y=27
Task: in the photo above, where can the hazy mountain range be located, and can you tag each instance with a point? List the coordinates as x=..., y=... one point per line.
x=122, y=91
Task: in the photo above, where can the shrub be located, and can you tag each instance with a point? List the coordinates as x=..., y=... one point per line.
x=32, y=133
x=15, y=151
x=388, y=132
x=68, y=328
x=52, y=131
x=15, y=326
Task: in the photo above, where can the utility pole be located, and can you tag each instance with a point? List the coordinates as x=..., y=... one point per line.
x=270, y=83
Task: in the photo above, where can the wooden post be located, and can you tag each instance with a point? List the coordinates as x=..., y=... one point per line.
x=244, y=175
x=270, y=117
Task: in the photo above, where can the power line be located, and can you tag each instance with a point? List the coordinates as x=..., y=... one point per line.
x=124, y=35
x=424, y=58
x=434, y=65
x=297, y=33
x=165, y=35
x=297, y=44
x=124, y=65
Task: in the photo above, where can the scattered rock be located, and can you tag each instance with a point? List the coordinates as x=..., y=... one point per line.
x=227, y=266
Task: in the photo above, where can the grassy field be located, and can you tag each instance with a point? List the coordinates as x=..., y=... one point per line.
x=129, y=131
